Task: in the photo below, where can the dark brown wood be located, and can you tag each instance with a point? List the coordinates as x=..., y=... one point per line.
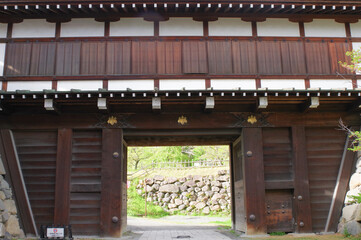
x=62, y=182
x=9, y=30
x=112, y=177
x=344, y=174
x=254, y=180
x=301, y=182
x=10, y=159
x=4, y=86
x=279, y=211
x=57, y=30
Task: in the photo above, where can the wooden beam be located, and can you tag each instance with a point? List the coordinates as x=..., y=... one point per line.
x=253, y=170
x=62, y=179
x=339, y=193
x=111, y=193
x=11, y=160
x=301, y=183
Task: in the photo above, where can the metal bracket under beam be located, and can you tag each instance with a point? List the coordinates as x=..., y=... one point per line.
x=102, y=103
x=156, y=103
x=210, y=102
x=315, y=102
x=49, y=104
x=263, y=102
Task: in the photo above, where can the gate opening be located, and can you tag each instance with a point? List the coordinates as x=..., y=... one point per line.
x=179, y=186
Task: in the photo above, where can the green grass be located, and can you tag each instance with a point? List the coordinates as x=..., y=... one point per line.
x=136, y=205
x=224, y=224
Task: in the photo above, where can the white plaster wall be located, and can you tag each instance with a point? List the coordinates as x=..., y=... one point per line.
x=131, y=27
x=229, y=27
x=82, y=85
x=278, y=27
x=233, y=84
x=83, y=27
x=2, y=58
x=36, y=28
x=180, y=27
x=3, y=30
x=325, y=28
x=1, y=85
x=331, y=84
x=355, y=29
x=282, y=84
x=28, y=85
x=188, y=84
x=358, y=83
x=132, y=84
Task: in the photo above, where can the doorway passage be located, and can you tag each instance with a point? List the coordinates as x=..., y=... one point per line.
x=179, y=191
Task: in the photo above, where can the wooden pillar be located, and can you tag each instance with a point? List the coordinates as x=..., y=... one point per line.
x=343, y=178
x=301, y=184
x=111, y=195
x=253, y=170
x=11, y=163
x=62, y=179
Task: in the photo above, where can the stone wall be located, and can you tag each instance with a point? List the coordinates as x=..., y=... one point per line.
x=200, y=194
x=9, y=222
x=351, y=213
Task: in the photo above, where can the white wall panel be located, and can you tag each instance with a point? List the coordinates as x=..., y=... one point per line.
x=233, y=84
x=325, y=28
x=33, y=28
x=282, y=84
x=132, y=84
x=131, y=27
x=230, y=27
x=358, y=83
x=180, y=27
x=2, y=58
x=278, y=27
x=28, y=85
x=1, y=85
x=83, y=27
x=82, y=85
x=179, y=84
x=3, y=30
x=331, y=84
x=355, y=29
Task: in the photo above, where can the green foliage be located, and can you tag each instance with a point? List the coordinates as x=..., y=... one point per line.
x=356, y=199
x=277, y=233
x=346, y=233
x=139, y=157
x=356, y=138
x=136, y=205
x=355, y=60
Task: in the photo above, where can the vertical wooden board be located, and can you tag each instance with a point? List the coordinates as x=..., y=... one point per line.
x=123, y=220
x=301, y=183
x=111, y=192
x=85, y=196
x=194, y=57
x=68, y=58
x=42, y=59
x=253, y=171
x=118, y=57
x=269, y=57
x=317, y=58
x=11, y=160
x=37, y=151
x=293, y=57
x=169, y=57
x=338, y=53
x=62, y=182
x=277, y=154
x=18, y=59
x=324, y=153
x=143, y=57
x=238, y=206
x=25, y=59
x=60, y=55
x=9, y=59
x=219, y=57
x=279, y=207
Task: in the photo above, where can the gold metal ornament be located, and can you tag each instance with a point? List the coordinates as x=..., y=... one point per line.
x=252, y=119
x=182, y=120
x=112, y=120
